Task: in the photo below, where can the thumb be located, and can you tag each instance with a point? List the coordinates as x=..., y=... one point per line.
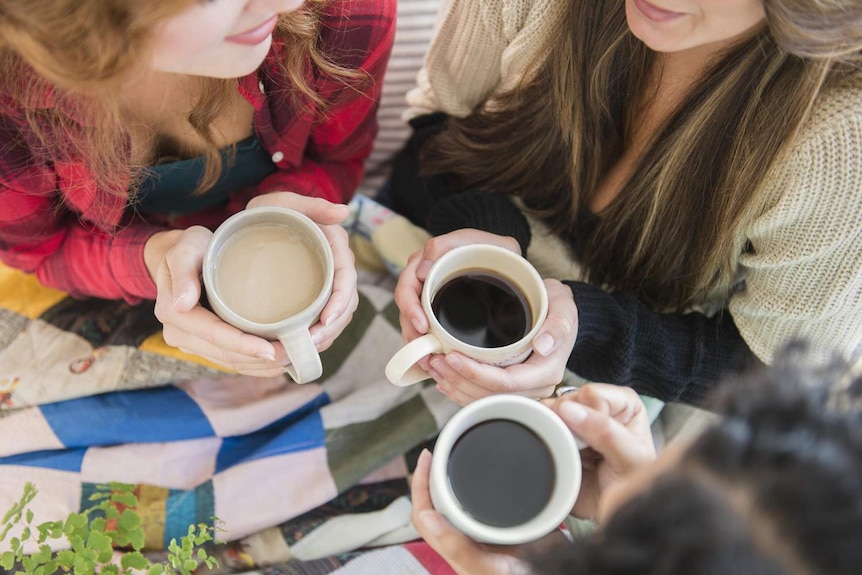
x=561, y=325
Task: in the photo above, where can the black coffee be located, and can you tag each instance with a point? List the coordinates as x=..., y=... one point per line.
x=501, y=473
x=482, y=309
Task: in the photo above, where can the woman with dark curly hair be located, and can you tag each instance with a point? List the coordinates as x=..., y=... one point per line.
x=775, y=487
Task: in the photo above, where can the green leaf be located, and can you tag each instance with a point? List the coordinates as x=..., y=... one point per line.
x=56, y=530
x=101, y=545
x=156, y=570
x=7, y=560
x=44, y=554
x=77, y=543
x=137, y=539
x=74, y=522
x=50, y=567
x=66, y=558
x=126, y=499
x=98, y=524
x=29, y=516
x=84, y=566
x=25, y=534
x=129, y=520
x=109, y=570
x=134, y=561
x=29, y=564
x=98, y=496
x=190, y=564
x=111, y=513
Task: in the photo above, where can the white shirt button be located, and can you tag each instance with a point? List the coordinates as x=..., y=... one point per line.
x=261, y=87
x=277, y=157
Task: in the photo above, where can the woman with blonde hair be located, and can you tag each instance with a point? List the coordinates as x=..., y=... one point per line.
x=130, y=128
x=691, y=170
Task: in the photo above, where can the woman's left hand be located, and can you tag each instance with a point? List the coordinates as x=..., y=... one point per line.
x=463, y=554
x=464, y=380
x=344, y=299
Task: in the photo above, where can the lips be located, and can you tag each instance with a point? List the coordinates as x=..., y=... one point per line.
x=655, y=13
x=255, y=35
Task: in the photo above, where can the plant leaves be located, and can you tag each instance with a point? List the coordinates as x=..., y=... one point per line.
x=129, y=520
x=134, y=560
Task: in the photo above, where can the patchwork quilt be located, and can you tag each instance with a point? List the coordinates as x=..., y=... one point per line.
x=304, y=478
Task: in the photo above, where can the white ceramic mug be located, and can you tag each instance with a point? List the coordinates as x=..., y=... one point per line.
x=561, y=444
x=402, y=369
x=292, y=332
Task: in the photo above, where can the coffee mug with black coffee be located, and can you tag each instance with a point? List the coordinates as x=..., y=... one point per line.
x=268, y=271
x=506, y=470
x=481, y=300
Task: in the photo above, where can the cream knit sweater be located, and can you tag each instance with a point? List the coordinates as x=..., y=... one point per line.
x=803, y=279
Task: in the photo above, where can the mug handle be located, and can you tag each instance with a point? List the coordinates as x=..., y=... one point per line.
x=304, y=358
x=402, y=369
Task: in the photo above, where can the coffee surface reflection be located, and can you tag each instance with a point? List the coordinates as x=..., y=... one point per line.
x=501, y=473
x=482, y=309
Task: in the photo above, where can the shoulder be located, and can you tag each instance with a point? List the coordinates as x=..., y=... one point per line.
x=836, y=117
x=820, y=174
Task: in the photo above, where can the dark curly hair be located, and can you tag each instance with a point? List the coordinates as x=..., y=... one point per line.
x=774, y=488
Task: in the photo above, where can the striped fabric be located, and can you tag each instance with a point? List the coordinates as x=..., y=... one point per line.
x=413, y=32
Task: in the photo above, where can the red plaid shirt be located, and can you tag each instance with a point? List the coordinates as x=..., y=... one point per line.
x=56, y=223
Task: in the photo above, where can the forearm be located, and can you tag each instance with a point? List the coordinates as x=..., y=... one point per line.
x=94, y=264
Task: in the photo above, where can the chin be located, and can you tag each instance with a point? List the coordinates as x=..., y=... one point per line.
x=244, y=60
x=645, y=31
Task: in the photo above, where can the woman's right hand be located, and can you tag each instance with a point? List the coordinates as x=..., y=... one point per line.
x=174, y=259
x=612, y=420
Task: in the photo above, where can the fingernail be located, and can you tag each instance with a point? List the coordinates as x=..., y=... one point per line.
x=573, y=412
x=182, y=299
x=317, y=338
x=331, y=318
x=418, y=325
x=424, y=454
x=422, y=269
x=431, y=522
x=544, y=344
x=454, y=361
x=268, y=356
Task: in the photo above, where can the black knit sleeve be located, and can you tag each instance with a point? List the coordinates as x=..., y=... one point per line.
x=673, y=357
x=437, y=203
x=492, y=213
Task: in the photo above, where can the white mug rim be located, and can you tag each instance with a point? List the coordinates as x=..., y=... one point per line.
x=229, y=227
x=432, y=285
x=563, y=449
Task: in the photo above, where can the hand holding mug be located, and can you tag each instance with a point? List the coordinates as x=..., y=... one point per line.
x=174, y=259
x=464, y=378
x=338, y=312
x=613, y=422
x=465, y=556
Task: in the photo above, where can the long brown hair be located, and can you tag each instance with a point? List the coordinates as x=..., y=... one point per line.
x=671, y=232
x=80, y=52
